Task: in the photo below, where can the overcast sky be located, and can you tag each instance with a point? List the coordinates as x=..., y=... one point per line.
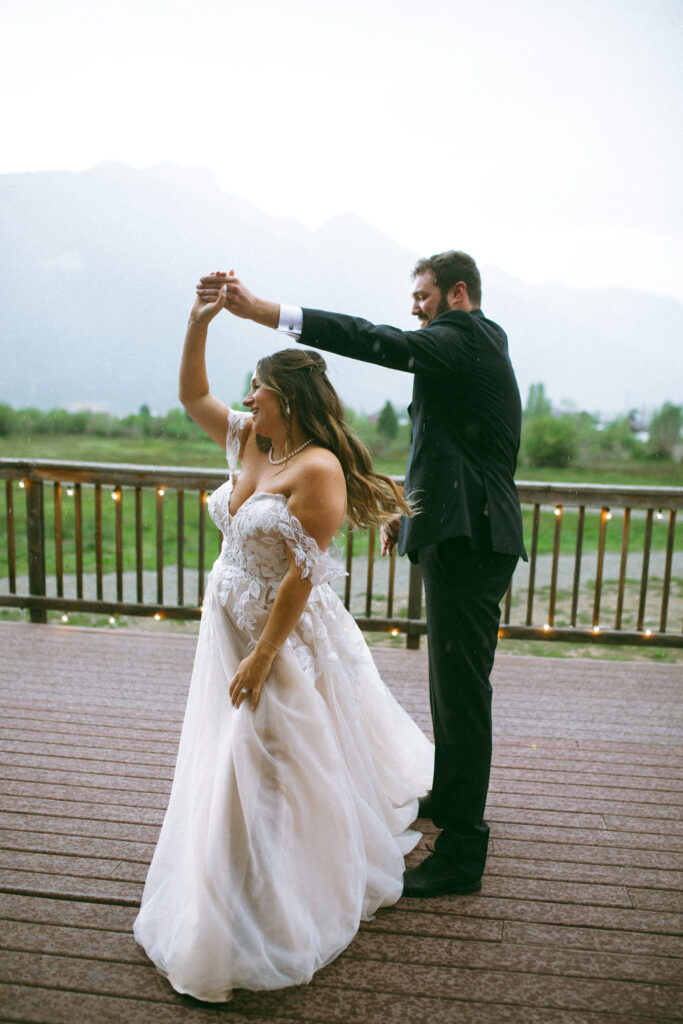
x=543, y=136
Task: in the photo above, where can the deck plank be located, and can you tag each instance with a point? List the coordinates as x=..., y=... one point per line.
x=577, y=921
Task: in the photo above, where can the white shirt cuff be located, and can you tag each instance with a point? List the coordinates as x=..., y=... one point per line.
x=291, y=321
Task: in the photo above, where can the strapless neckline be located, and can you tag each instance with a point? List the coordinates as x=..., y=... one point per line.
x=254, y=494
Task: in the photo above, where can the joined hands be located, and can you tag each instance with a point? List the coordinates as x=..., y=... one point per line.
x=238, y=300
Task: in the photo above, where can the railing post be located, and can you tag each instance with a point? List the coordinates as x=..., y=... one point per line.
x=414, y=604
x=35, y=537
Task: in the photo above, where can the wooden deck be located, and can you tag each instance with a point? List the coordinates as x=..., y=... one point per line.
x=577, y=921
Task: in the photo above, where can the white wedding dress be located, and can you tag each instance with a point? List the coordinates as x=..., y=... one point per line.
x=287, y=825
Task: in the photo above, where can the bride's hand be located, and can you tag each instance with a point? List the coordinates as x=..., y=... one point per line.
x=249, y=678
x=238, y=299
x=207, y=306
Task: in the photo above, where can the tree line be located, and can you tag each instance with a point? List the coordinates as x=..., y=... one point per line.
x=175, y=424
x=570, y=438
x=549, y=438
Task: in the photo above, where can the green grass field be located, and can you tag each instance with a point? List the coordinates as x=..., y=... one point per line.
x=146, y=451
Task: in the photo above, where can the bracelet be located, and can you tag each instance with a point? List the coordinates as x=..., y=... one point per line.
x=270, y=642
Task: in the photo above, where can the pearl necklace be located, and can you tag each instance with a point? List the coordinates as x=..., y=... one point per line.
x=278, y=462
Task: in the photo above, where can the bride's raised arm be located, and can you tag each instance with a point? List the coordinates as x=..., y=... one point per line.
x=208, y=412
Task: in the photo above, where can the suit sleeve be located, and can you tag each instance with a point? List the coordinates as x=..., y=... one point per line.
x=434, y=350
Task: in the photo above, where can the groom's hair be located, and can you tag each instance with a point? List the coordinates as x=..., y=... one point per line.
x=450, y=267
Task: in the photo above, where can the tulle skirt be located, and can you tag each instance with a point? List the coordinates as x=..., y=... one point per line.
x=287, y=825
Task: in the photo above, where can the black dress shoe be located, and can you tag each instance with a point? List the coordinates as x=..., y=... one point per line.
x=436, y=876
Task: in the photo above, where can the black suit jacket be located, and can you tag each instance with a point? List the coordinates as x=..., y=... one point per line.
x=466, y=417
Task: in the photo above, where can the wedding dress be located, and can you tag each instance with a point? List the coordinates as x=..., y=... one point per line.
x=287, y=825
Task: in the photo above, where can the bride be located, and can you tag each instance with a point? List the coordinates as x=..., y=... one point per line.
x=298, y=773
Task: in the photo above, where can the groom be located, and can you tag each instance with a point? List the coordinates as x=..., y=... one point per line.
x=466, y=533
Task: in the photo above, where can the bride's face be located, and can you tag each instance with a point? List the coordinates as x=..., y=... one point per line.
x=264, y=406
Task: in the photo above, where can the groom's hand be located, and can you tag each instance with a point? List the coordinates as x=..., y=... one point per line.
x=239, y=300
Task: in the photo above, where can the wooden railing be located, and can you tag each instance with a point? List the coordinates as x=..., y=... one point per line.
x=118, y=539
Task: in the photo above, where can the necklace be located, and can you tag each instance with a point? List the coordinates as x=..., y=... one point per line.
x=278, y=462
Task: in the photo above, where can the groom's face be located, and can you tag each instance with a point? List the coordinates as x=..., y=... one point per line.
x=428, y=300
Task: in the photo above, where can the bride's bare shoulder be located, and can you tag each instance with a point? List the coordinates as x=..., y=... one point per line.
x=322, y=467
x=318, y=494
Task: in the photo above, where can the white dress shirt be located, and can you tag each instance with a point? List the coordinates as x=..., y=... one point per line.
x=291, y=321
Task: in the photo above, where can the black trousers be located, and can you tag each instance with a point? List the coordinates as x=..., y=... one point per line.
x=464, y=586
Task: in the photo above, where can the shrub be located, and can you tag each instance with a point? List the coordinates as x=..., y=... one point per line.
x=665, y=429
x=6, y=420
x=550, y=440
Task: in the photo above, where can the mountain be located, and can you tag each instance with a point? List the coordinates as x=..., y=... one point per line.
x=97, y=274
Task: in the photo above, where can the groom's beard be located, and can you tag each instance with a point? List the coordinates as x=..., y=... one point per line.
x=443, y=307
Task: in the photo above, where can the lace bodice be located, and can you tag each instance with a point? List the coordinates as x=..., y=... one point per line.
x=253, y=558
x=255, y=539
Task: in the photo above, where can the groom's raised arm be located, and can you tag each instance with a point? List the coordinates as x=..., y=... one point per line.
x=436, y=349
x=358, y=339
x=447, y=346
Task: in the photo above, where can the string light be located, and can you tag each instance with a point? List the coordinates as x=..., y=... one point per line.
x=659, y=514
x=65, y=617
x=546, y=626
x=596, y=629
x=608, y=514
x=116, y=495
x=161, y=492
x=112, y=620
x=70, y=491
x=395, y=632
x=22, y=484
x=648, y=632
x=157, y=617
x=558, y=510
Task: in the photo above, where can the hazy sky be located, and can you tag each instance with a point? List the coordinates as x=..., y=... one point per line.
x=542, y=136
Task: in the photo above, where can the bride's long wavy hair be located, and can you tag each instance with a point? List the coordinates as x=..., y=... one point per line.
x=299, y=379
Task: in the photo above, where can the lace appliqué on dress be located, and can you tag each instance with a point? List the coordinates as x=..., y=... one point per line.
x=253, y=559
x=233, y=441
x=318, y=566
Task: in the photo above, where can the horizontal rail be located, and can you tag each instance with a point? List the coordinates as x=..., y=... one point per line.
x=597, y=495
x=132, y=474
